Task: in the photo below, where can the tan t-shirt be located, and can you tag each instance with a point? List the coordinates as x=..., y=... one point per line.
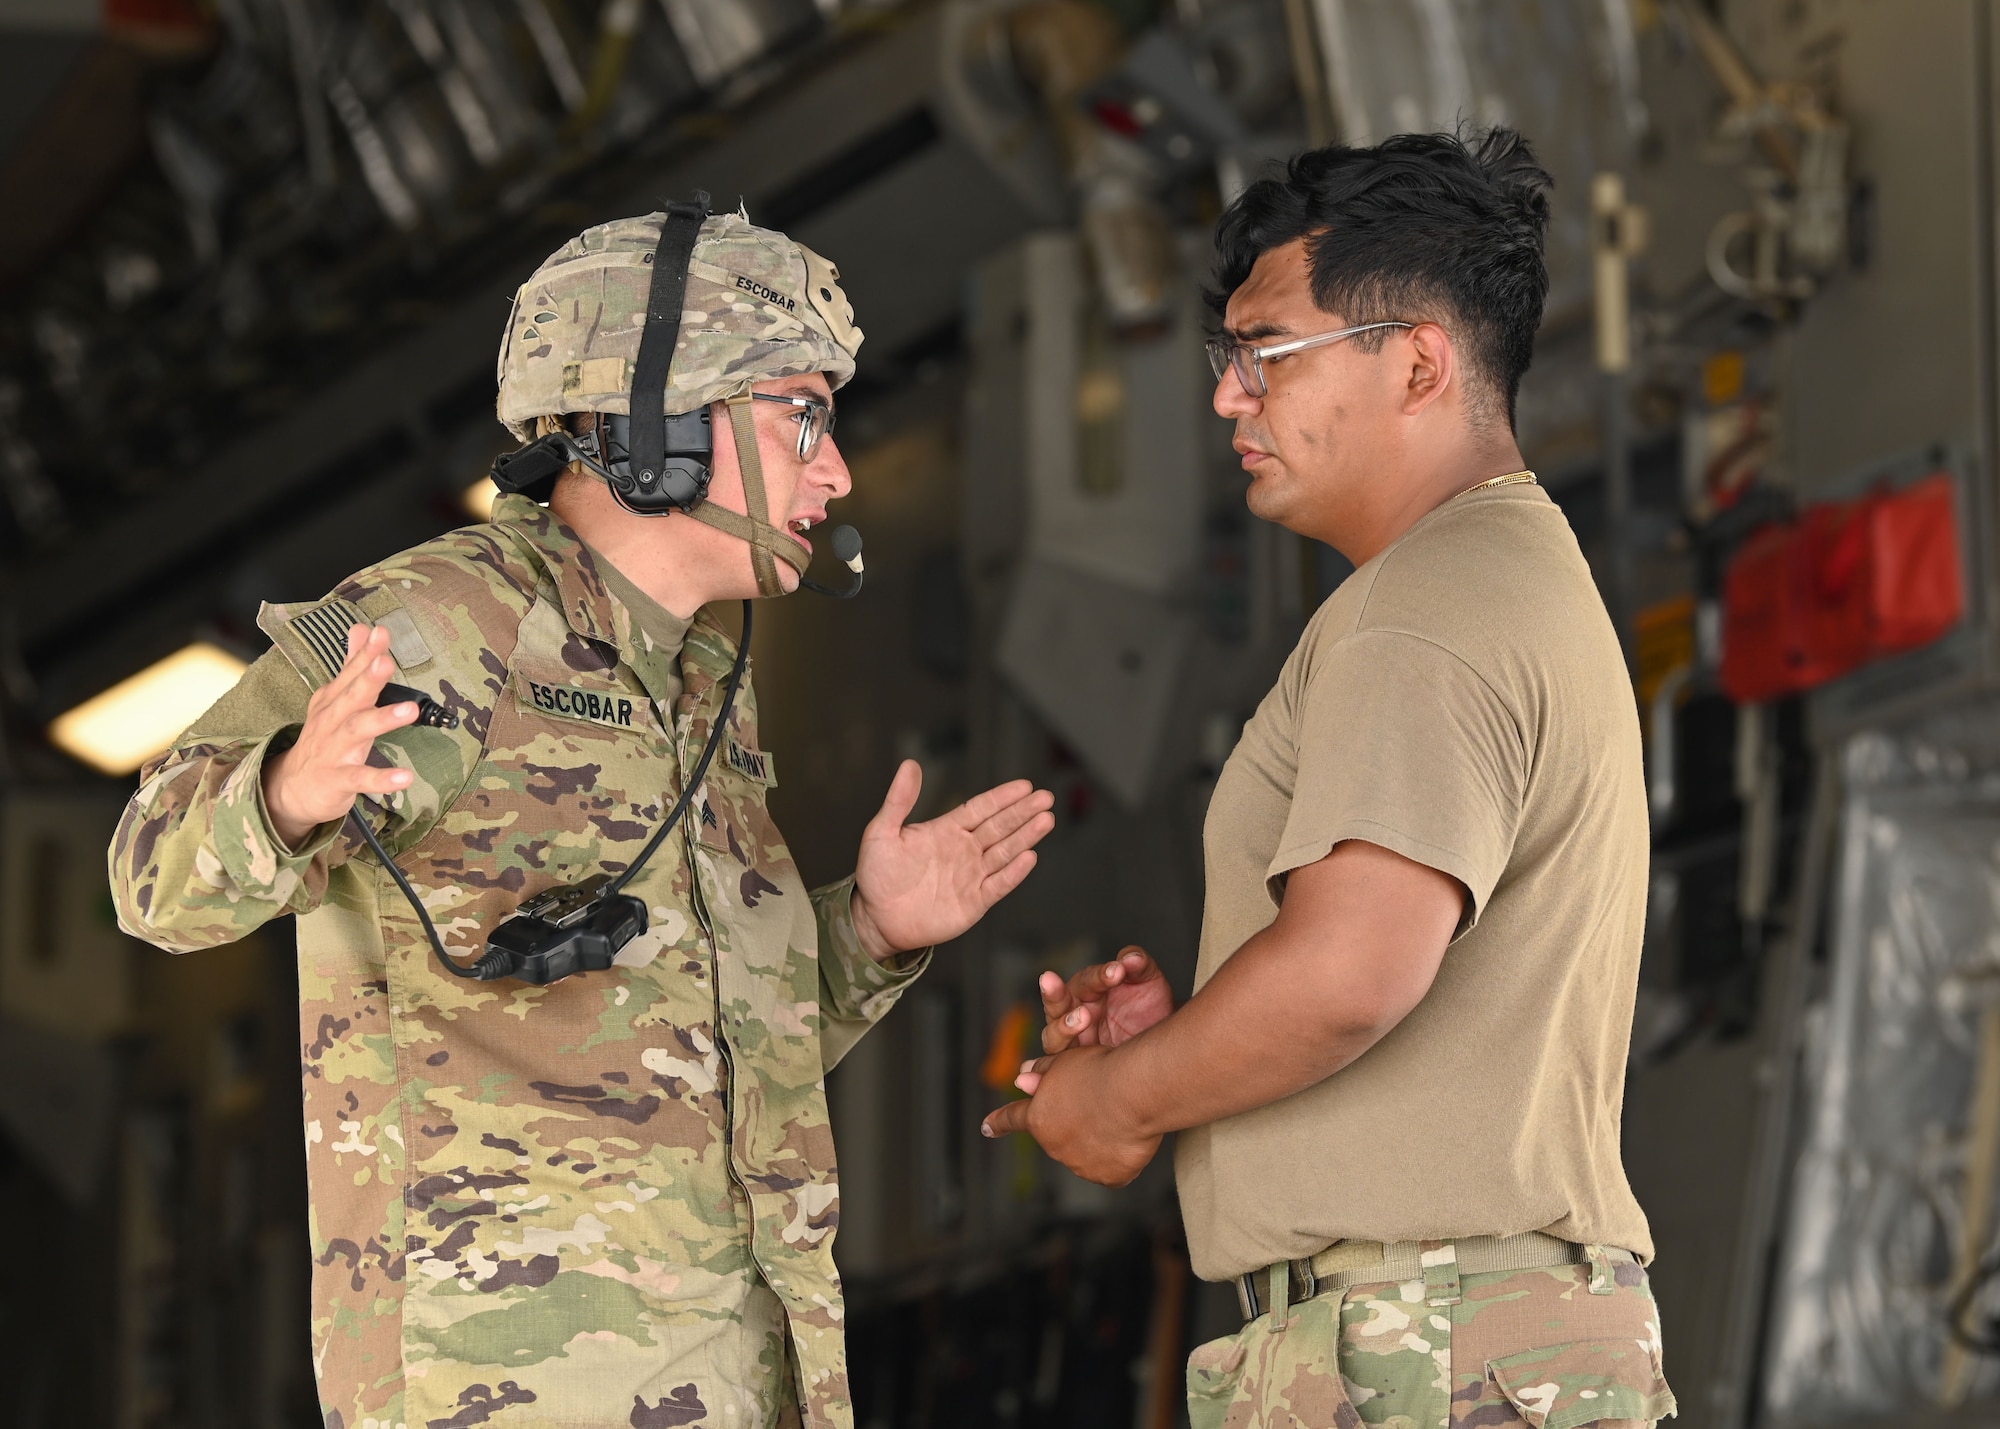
x=1460, y=700
x=666, y=631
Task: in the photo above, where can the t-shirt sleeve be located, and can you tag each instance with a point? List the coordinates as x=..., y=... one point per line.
x=1404, y=745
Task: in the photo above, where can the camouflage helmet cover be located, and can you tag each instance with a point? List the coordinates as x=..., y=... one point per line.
x=758, y=306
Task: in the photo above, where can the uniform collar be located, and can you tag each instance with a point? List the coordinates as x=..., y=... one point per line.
x=588, y=605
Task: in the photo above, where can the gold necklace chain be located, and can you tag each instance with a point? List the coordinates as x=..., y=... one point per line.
x=1512, y=478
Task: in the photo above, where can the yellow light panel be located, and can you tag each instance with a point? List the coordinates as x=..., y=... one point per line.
x=135, y=719
x=479, y=497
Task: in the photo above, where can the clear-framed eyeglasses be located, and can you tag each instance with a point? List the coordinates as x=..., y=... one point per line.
x=1249, y=360
x=815, y=418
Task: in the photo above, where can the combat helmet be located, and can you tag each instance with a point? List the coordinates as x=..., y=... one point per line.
x=758, y=305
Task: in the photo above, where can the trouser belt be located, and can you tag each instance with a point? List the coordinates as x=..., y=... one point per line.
x=1438, y=1263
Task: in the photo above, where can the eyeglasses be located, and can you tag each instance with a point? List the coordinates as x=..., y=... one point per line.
x=815, y=419
x=1249, y=360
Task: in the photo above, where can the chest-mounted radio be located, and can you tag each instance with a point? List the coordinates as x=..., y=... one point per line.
x=573, y=927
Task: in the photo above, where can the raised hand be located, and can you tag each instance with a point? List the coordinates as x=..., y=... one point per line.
x=919, y=884
x=315, y=781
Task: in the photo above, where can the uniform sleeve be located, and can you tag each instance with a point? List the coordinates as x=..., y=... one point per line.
x=1403, y=745
x=855, y=991
x=195, y=862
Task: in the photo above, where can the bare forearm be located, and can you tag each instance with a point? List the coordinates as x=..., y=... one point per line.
x=1355, y=946
x=1272, y=1022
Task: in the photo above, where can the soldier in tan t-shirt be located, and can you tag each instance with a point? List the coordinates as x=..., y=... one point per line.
x=1398, y=1082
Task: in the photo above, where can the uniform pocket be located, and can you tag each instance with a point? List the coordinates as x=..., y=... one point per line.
x=1214, y=1371
x=1263, y=1375
x=1584, y=1382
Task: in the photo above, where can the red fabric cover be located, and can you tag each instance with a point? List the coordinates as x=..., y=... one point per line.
x=1848, y=582
x=1834, y=608
x=1769, y=619
x=1763, y=642
x=1916, y=591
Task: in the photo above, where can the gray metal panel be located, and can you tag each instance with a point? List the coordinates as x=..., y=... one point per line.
x=1877, y=1207
x=994, y=509
x=1101, y=663
x=1142, y=529
x=1888, y=359
x=904, y=245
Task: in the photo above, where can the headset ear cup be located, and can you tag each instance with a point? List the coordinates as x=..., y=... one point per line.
x=685, y=471
x=681, y=486
x=685, y=481
x=690, y=459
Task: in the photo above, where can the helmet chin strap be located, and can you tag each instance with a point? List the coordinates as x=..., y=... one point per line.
x=766, y=541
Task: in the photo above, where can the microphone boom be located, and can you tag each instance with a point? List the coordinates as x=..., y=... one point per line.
x=847, y=548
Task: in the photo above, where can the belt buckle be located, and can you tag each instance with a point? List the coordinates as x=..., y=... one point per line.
x=1246, y=1296
x=1308, y=1282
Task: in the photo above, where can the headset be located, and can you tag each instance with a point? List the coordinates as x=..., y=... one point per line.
x=680, y=485
x=657, y=464
x=670, y=468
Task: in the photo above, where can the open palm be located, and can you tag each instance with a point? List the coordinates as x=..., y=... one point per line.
x=919, y=884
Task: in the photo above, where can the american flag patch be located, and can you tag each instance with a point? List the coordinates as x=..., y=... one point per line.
x=323, y=630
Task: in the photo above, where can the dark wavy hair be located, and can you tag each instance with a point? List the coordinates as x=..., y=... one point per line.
x=1440, y=227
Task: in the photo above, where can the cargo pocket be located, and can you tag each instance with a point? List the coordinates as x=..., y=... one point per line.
x=1584, y=1382
x=1248, y=1378
x=1214, y=1373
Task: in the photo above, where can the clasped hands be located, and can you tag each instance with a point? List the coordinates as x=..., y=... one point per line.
x=1083, y=1102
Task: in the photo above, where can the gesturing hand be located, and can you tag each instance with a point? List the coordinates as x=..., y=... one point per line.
x=1074, y=1107
x=1105, y=1004
x=919, y=884
x=315, y=781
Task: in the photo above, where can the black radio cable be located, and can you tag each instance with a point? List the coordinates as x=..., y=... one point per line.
x=617, y=885
x=430, y=928
x=480, y=970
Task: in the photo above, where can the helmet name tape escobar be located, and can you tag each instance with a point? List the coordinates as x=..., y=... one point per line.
x=647, y=322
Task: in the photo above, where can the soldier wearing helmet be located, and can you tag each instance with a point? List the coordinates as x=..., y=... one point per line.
x=609, y=1200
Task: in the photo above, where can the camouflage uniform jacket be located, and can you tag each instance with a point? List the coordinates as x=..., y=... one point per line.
x=536, y=1206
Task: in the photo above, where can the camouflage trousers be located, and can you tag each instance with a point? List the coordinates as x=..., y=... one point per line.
x=731, y=1368
x=1548, y=1349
